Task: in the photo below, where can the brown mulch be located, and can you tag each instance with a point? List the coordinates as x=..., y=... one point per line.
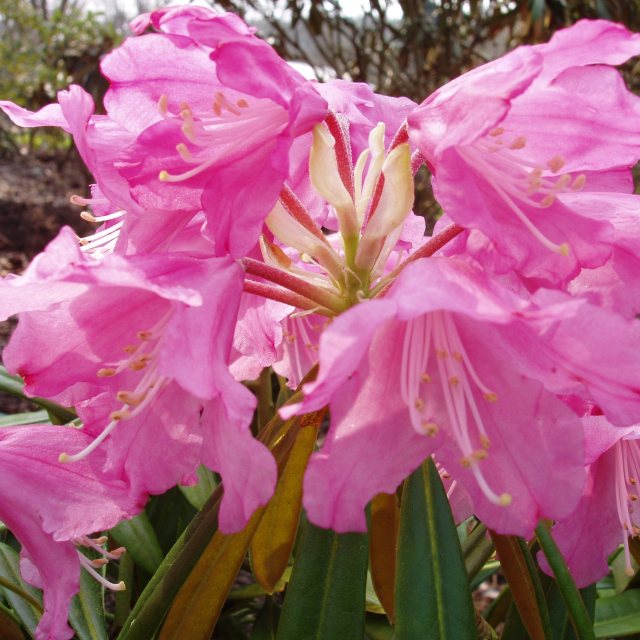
x=34, y=205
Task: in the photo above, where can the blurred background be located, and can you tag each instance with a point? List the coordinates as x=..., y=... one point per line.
x=399, y=47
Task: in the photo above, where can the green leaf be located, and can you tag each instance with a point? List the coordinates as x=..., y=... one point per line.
x=432, y=591
x=86, y=614
x=25, y=600
x=198, y=603
x=138, y=536
x=17, y=419
x=326, y=595
x=618, y=616
x=578, y=613
x=199, y=493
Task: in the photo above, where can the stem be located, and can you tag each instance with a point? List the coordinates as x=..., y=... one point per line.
x=23, y=594
x=324, y=298
x=283, y=295
x=575, y=606
x=432, y=245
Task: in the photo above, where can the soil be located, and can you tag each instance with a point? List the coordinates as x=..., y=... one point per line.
x=34, y=205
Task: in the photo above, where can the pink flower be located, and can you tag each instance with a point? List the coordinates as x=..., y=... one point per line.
x=51, y=507
x=215, y=111
x=140, y=345
x=508, y=139
x=606, y=515
x=422, y=371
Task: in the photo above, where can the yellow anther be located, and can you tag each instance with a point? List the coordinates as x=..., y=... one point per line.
x=498, y=131
x=163, y=176
x=548, y=200
x=506, y=499
x=556, y=163
x=425, y=377
x=518, y=143
x=563, y=181
x=89, y=217
x=163, y=104
x=139, y=363
x=107, y=372
x=183, y=150
x=563, y=249
x=479, y=454
x=579, y=182
x=491, y=396
x=129, y=398
x=430, y=429
x=454, y=381
x=484, y=441
x=99, y=562
x=119, y=415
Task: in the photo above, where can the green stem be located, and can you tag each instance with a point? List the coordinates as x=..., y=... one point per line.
x=578, y=614
x=23, y=594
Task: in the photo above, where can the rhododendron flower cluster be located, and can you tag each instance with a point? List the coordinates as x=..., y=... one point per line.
x=249, y=218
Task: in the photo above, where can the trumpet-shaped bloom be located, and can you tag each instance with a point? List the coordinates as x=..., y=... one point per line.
x=215, y=111
x=606, y=515
x=50, y=507
x=422, y=371
x=508, y=139
x=140, y=345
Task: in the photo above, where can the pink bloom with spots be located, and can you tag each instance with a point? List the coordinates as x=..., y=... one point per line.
x=423, y=371
x=140, y=345
x=51, y=507
x=507, y=140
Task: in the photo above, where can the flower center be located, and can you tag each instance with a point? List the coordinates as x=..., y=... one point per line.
x=522, y=185
x=233, y=126
x=437, y=374
x=371, y=200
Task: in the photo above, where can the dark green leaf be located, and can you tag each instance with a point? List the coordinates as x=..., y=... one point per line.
x=25, y=600
x=432, y=592
x=86, y=614
x=138, y=536
x=618, y=616
x=326, y=595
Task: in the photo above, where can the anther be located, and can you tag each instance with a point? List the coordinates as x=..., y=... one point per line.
x=144, y=335
x=498, y=131
x=130, y=348
x=163, y=104
x=130, y=398
x=491, y=397
x=548, y=200
x=88, y=216
x=454, y=381
x=419, y=404
x=465, y=462
x=518, y=143
x=484, y=441
x=579, y=182
x=242, y=103
x=121, y=414
x=425, y=377
x=556, y=163
x=430, y=429
x=106, y=372
x=183, y=150
x=506, y=499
